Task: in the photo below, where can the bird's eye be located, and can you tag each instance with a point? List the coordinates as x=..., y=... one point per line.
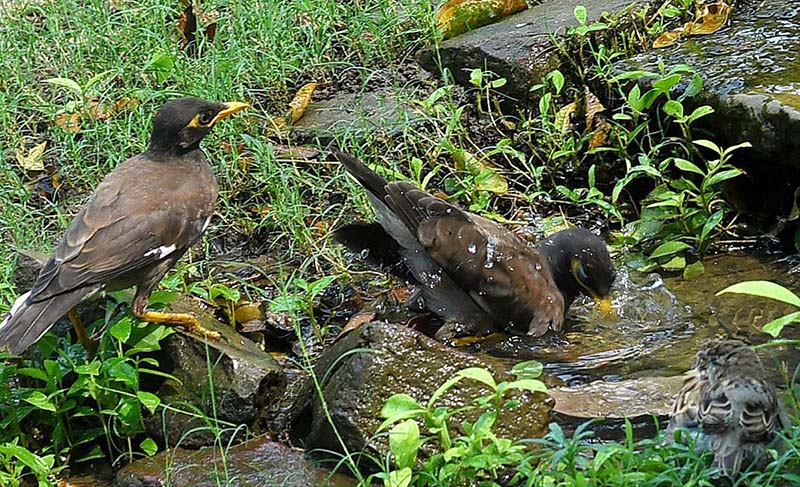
x=205, y=118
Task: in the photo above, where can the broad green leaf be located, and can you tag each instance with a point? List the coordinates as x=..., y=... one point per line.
x=38, y=399
x=92, y=368
x=602, y=455
x=666, y=83
x=557, y=79
x=700, y=112
x=669, y=248
x=479, y=374
x=580, y=14
x=319, y=285
x=687, y=166
x=65, y=83
x=675, y=264
x=710, y=224
x=532, y=385
x=130, y=413
x=399, y=403
x=775, y=327
x=721, y=176
x=122, y=329
x=693, y=270
x=764, y=289
x=148, y=400
x=530, y=369
x=404, y=443
x=442, y=389
x=398, y=478
x=708, y=145
x=148, y=446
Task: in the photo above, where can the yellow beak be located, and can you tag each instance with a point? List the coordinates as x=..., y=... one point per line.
x=604, y=304
x=230, y=108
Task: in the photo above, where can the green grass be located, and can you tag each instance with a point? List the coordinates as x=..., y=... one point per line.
x=263, y=51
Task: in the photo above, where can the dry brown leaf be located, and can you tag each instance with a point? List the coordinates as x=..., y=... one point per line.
x=70, y=122
x=711, y=18
x=188, y=22
x=301, y=153
x=592, y=107
x=248, y=311
x=458, y=16
x=400, y=294
x=356, y=321
x=34, y=159
x=595, y=120
x=600, y=136
x=123, y=104
x=563, y=119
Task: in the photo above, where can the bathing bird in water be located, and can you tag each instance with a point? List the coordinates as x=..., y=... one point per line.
x=474, y=273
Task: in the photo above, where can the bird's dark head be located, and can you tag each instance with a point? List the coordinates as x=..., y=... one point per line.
x=181, y=124
x=580, y=264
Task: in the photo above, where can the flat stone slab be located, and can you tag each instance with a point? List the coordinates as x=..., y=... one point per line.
x=751, y=77
x=642, y=401
x=519, y=47
x=354, y=114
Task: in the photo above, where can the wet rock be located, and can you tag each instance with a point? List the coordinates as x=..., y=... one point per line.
x=354, y=114
x=749, y=72
x=29, y=264
x=519, y=47
x=642, y=401
x=254, y=463
x=245, y=380
x=378, y=360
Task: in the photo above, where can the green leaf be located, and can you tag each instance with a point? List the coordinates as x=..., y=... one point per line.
x=694, y=87
x=148, y=400
x=675, y=264
x=93, y=454
x=687, y=166
x=398, y=478
x=666, y=83
x=722, y=176
x=130, y=413
x=121, y=370
x=709, y=225
x=669, y=248
x=476, y=77
x=530, y=369
x=775, y=327
x=38, y=399
x=580, y=14
x=673, y=109
x=708, y=145
x=122, y=329
x=557, y=79
x=319, y=285
x=92, y=368
x=602, y=455
x=634, y=99
x=479, y=374
x=764, y=289
x=404, y=443
x=161, y=64
x=149, y=447
x=439, y=392
x=65, y=83
x=693, y=270
x=532, y=385
x=699, y=112
x=398, y=404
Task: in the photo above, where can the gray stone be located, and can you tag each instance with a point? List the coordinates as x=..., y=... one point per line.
x=354, y=115
x=255, y=463
x=379, y=360
x=519, y=47
x=750, y=78
x=245, y=380
x=29, y=264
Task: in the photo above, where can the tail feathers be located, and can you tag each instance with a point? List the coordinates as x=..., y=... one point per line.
x=29, y=320
x=366, y=177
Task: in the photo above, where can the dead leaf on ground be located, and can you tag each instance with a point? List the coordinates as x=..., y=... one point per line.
x=400, y=294
x=355, y=322
x=563, y=120
x=595, y=120
x=458, y=16
x=709, y=18
x=297, y=108
x=488, y=177
x=247, y=311
x=93, y=110
x=295, y=153
x=189, y=22
x=33, y=160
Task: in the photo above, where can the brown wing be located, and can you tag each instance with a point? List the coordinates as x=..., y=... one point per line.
x=137, y=216
x=504, y=276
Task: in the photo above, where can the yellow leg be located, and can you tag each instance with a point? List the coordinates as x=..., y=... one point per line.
x=187, y=321
x=90, y=344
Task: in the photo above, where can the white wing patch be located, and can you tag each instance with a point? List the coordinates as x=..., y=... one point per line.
x=15, y=307
x=162, y=251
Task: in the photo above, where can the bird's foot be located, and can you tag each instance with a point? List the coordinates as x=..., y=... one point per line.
x=184, y=320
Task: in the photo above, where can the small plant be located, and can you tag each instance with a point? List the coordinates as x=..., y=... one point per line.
x=483, y=81
x=303, y=299
x=477, y=458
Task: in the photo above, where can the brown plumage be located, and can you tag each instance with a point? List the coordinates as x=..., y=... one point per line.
x=728, y=404
x=475, y=272
x=136, y=225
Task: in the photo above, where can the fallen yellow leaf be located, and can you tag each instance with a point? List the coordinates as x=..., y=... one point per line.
x=711, y=18
x=34, y=159
x=563, y=119
x=668, y=38
x=458, y=16
x=301, y=101
x=490, y=181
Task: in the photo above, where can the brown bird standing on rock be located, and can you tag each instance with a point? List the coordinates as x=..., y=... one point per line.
x=140, y=220
x=728, y=404
x=474, y=272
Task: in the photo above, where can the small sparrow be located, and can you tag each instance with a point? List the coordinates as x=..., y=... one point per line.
x=728, y=405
